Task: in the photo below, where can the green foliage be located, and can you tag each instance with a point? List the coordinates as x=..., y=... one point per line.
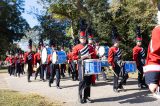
x=12, y=25
x=102, y=15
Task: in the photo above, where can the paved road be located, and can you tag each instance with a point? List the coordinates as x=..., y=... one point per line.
x=102, y=93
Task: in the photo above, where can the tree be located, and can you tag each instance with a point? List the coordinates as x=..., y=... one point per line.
x=129, y=14
x=12, y=25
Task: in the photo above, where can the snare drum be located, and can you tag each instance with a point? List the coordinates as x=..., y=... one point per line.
x=59, y=57
x=44, y=56
x=104, y=63
x=130, y=66
x=92, y=66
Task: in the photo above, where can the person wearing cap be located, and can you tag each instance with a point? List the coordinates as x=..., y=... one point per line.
x=54, y=68
x=80, y=54
x=29, y=59
x=92, y=50
x=139, y=58
x=114, y=58
x=152, y=66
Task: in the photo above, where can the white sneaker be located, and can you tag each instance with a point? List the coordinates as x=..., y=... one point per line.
x=157, y=93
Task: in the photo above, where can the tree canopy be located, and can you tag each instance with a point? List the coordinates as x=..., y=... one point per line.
x=12, y=25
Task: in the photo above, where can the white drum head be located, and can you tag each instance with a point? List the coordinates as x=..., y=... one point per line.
x=101, y=50
x=44, y=56
x=54, y=57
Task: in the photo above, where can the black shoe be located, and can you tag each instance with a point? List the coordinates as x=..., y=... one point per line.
x=121, y=88
x=115, y=90
x=93, y=84
x=49, y=84
x=88, y=100
x=29, y=80
x=141, y=86
x=83, y=101
x=34, y=78
x=58, y=87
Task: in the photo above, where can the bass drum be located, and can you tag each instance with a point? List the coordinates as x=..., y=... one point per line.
x=103, y=51
x=44, y=56
x=59, y=57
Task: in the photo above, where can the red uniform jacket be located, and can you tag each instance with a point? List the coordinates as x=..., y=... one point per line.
x=37, y=57
x=138, y=53
x=69, y=56
x=76, y=50
x=113, y=51
x=8, y=59
x=26, y=56
x=92, y=51
x=153, y=54
x=49, y=58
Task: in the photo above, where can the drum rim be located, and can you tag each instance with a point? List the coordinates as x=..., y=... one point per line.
x=130, y=61
x=91, y=60
x=104, y=60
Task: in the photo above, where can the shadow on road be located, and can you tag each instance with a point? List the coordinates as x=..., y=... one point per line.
x=69, y=86
x=138, y=97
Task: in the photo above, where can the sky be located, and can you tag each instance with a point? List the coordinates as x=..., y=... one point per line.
x=29, y=17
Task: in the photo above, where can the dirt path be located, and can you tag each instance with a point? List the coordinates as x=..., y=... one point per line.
x=102, y=93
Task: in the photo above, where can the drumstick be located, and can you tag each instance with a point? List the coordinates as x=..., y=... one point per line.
x=113, y=72
x=139, y=71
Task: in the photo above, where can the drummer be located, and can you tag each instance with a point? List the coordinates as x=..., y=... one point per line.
x=54, y=68
x=28, y=58
x=37, y=59
x=80, y=55
x=92, y=50
x=139, y=57
x=103, y=57
x=114, y=59
x=69, y=57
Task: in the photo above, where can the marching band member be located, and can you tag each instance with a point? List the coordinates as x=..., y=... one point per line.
x=9, y=60
x=114, y=59
x=37, y=58
x=152, y=67
x=54, y=68
x=29, y=59
x=69, y=57
x=18, y=63
x=74, y=64
x=139, y=57
x=63, y=66
x=80, y=53
x=22, y=62
x=92, y=50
